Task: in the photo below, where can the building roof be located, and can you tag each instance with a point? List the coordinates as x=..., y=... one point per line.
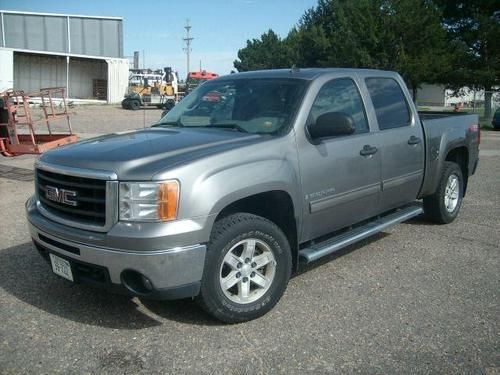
x=59, y=14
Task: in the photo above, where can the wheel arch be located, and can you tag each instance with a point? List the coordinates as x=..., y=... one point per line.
x=276, y=206
x=460, y=156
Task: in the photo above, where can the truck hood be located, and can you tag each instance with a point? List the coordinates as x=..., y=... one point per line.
x=138, y=155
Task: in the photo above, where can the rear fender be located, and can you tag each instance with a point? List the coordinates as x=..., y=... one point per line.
x=438, y=147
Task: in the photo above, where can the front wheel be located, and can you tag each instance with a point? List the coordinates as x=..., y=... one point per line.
x=125, y=104
x=443, y=206
x=247, y=268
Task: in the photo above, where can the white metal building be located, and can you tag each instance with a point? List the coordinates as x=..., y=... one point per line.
x=440, y=96
x=82, y=53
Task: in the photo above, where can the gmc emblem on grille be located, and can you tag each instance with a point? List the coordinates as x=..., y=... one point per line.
x=60, y=195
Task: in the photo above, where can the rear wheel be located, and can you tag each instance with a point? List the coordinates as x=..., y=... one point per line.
x=443, y=206
x=134, y=105
x=247, y=268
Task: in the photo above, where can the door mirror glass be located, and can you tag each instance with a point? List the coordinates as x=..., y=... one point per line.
x=331, y=124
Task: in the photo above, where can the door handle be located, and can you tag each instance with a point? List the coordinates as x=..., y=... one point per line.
x=414, y=140
x=368, y=150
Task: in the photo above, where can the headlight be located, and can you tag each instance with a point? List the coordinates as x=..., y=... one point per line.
x=149, y=201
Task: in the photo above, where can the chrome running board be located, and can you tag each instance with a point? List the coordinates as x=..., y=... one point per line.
x=336, y=243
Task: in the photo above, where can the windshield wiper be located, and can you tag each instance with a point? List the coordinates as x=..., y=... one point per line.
x=177, y=124
x=232, y=126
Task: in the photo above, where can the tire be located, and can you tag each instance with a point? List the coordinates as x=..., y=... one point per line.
x=440, y=207
x=125, y=104
x=169, y=104
x=134, y=105
x=225, y=263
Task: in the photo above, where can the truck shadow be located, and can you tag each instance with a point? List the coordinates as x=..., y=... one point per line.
x=27, y=277
x=182, y=311
x=421, y=220
x=186, y=311
x=346, y=250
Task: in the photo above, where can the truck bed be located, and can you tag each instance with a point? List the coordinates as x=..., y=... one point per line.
x=444, y=131
x=432, y=115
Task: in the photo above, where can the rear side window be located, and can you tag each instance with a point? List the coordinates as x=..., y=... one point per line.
x=390, y=104
x=341, y=95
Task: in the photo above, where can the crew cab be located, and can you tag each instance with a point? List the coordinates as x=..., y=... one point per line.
x=247, y=178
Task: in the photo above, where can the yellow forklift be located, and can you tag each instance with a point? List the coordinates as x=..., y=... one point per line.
x=160, y=90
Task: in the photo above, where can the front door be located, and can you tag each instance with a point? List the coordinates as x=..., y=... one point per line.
x=340, y=175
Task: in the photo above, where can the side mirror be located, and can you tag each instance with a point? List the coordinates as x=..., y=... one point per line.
x=331, y=124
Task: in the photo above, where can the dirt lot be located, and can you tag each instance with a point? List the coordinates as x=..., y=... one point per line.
x=419, y=298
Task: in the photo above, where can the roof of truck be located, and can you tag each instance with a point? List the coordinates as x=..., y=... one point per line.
x=306, y=73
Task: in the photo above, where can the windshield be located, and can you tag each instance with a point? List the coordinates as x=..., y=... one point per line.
x=264, y=106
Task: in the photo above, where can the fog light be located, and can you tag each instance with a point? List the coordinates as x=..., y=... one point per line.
x=136, y=282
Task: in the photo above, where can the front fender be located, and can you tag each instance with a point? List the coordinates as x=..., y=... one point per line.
x=215, y=190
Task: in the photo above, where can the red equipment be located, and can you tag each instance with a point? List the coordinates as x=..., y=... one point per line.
x=15, y=113
x=202, y=75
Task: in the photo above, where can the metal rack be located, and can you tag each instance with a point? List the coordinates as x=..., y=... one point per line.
x=15, y=114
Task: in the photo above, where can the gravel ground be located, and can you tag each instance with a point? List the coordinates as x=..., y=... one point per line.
x=418, y=298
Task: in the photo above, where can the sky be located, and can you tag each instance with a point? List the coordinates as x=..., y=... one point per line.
x=219, y=27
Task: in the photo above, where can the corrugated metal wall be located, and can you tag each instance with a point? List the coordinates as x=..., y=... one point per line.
x=7, y=69
x=40, y=32
x=42, y=42
x=96, y=37
x=33, y=72
x=2, y=42
x=117, y=79
x=82, y=73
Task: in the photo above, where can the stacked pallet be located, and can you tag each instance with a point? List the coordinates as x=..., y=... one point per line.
x=100, y=89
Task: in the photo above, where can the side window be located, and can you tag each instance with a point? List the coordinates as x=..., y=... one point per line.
x=389, y=101
x=341, y=95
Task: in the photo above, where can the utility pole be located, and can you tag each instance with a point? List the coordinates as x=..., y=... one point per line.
x=188, y=38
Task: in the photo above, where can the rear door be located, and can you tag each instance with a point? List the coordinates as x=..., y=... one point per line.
x=340, y=179
x=401, y=142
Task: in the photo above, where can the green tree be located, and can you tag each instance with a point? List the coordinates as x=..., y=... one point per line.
x=267, y=52
x=401, y=35
x=473, y=28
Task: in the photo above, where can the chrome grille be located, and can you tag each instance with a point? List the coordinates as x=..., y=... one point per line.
x=89, y=195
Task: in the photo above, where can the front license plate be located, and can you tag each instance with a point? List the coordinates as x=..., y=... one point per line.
x=61, y=267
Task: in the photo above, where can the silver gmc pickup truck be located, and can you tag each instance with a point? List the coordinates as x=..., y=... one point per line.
x=247, y=178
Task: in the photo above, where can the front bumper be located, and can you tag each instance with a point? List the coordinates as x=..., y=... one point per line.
x=173, y=272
